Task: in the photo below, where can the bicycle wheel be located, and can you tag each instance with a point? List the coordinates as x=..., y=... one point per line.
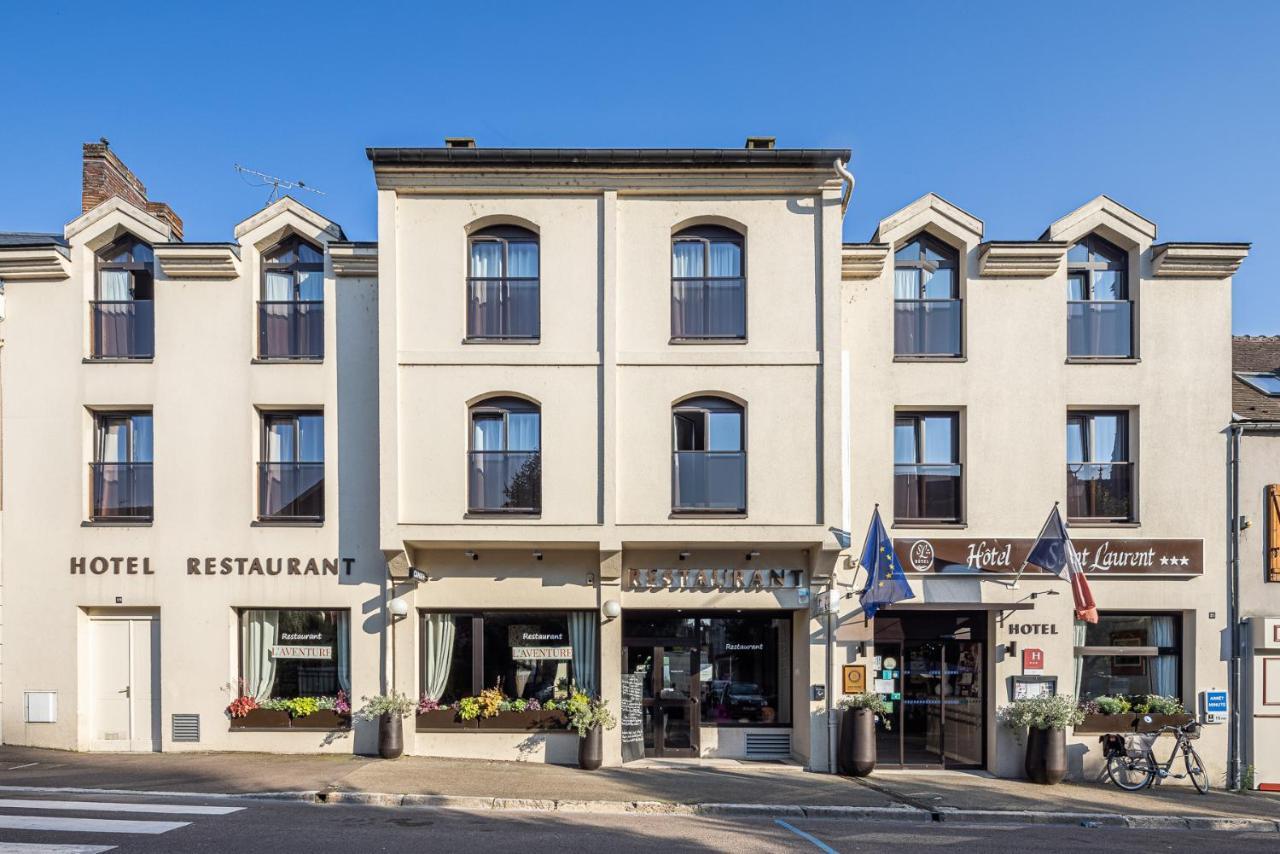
x=1131, y=774
x=1195, y=769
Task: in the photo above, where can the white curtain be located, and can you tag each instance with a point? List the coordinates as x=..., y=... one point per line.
x=522, y=431
x=906, y=283
x=278, y=287
x=726, y=259
x=113, y=286
x=1164, y=669
x=686, y=259
x=344, y=652
x=438, y=632
x=1079, y=633
x=259, y=635
x=522, y=260
x=582, y=637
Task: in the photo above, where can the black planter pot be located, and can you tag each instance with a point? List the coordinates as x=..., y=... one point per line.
x=857, y=754
x=390, y=736
x=591, y=749
x=1046, y=761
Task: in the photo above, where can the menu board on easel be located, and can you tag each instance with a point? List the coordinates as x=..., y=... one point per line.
x=632, y=714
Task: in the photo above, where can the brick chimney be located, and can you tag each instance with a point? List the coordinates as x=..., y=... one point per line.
x=105, y=176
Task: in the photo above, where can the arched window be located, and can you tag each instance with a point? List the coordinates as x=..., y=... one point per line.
x=926, y=299
x=1099, y=310
x=709, y=463
x=504, y=465
x=502, y=284
x=291, y=311
x=708, y=285
x=123, y=307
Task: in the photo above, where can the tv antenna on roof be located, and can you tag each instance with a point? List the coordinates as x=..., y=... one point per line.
x=276, y=184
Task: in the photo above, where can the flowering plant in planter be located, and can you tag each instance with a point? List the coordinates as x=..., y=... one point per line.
x=871, y=702
x=395, y=704
x=240, y=707
x=586, y=714
x=1056, y=711
x=426, y=704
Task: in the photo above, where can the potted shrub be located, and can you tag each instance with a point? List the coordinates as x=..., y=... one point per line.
x=857, y=756
x=590, y=718
x=390, y=710
x=1045, y=721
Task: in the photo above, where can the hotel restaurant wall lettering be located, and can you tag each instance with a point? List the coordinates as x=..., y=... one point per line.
x=1098, y=557
x=714, y=579
x=216, y=566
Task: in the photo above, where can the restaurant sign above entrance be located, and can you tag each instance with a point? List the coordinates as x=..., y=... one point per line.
x=958, y=555
x=714, y=579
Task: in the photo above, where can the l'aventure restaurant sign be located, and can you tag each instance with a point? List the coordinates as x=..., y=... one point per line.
x=1099, y=557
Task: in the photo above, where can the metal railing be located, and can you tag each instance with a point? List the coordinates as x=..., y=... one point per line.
x=504, y=482
x=708, y=308
x=291, y=491
x=927, y=492
x=1099, y=330
x=291, y=329
x=500, y=309
x=121, y=491
x=714, y=481
x=1100, y=491
x=927, y=327
x=123, y=329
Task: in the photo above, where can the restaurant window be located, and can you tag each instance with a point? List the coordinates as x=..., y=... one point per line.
x=926, y=467
x=927, y=312
x=291, y=474
x=123, y=308
x=530, y=655
x=294, y=653
x=502, y=284
x=746, y=669
x=1099, y=309
x=1129, y=654
x=291, y=311
x=1100, y=473
x=708, y=285
x=121, y=469
x=709, y=464
x=504, y=465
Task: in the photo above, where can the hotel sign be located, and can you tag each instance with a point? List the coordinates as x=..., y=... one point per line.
x=956, y=556
x=715, y=579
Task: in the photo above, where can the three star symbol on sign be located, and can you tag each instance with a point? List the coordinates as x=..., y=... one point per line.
x=1175, y=561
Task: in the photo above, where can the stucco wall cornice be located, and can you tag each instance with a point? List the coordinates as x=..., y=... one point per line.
x=413, y=180
x=354, y=259
x=1029, y=259
x=933, y=212
x=861, y=261
x=199, y=260
x=34, y=263
x=1197, y=260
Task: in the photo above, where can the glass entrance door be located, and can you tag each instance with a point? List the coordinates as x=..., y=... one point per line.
x=670, y=673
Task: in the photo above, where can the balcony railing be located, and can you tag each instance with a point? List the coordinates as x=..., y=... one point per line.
x=927, y=327
x=502, y=309
x=123, y=329
x=290, y=329
x=709, y=481
x=1100, y=491
x=708, y=308
x=504, y=482
x=291, y=491
x=926, y=492
x=121, y=491
x=1099, y=330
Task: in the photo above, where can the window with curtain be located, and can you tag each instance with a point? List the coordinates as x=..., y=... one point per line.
x=927, y=484
x=291, y=474
x=1099, y=308
x=121, y=470
x=122, y=311
x=927, y=312
x=295, y=653
x=1100, y=473
x=503, y=301
x=709, y=465
x=291, y=311
x=708, y=285
x=530, y=655
x=1130, y=655
x=504, y=462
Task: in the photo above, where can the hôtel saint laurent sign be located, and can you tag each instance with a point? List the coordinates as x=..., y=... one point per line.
x=1099, y=557
x=714, y=579
x=216, y=566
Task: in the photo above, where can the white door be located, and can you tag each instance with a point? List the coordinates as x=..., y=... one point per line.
x=124, y=684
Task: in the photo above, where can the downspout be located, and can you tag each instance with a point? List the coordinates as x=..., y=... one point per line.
x=1236, y=732
x=843, y=170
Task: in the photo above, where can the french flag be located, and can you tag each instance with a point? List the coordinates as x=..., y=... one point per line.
x=1053, y=552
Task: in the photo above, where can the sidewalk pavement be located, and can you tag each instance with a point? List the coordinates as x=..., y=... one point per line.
x=709, y=787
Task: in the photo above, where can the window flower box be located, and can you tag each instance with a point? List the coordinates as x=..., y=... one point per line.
x=262, y=719
x=441, y=720
x=1126, y=722
x=323, y=719
x=525, y=721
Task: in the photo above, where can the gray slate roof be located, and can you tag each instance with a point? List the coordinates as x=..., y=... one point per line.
x=30, y=238
x=1254, y=354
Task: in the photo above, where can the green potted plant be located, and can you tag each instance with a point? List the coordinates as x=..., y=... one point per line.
x=1044, y=720
x=389, y=710
x=857, y=755
x=590, y=717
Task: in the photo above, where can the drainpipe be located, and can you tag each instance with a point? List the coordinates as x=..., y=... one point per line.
x=832, y=731
x=1235, y=736
x=844, y=173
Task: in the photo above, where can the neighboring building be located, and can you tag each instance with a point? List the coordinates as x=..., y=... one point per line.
x=1255, y=458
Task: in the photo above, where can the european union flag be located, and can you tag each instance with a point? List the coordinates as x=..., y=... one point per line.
x=886, y=582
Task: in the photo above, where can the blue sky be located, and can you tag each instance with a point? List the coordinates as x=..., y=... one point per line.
x=1017, y=112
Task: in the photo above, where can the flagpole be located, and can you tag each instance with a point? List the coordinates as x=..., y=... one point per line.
x=1021, y=569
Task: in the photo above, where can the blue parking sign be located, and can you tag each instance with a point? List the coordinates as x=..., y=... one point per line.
x=1215, y=702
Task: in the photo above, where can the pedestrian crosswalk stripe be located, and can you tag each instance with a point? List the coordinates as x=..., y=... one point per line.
x=86, y=825
x=112, y=806
x=44, y=848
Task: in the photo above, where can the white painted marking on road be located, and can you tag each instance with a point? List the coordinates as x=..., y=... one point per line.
x=44, y=848
x=808, y=837
x=28, y=765
x=111, y=806
x=86, y=825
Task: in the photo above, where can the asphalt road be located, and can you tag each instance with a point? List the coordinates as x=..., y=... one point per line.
x=52, y=823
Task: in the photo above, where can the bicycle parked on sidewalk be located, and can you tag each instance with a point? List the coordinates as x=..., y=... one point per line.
x=1132, y=764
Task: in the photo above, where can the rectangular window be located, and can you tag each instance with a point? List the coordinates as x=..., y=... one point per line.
x=746, y=669
x=530, y=655
x=295, y=653
x=1129, y=654
x=121, y=468
x=926, y=467
x=291, y=473
x=1100, y=472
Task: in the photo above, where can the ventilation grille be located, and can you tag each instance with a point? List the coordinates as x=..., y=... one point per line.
x=768, y=745
x=186, y=727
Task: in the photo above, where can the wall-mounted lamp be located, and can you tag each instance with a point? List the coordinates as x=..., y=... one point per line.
x=612, y=609
x=591, y=578
x=1040, y=593
x=1011, y=648
x=752, y=555
x=471, y=554
x=537, y=555
x=398, y=608
x=684, y=555
x=1245, y=522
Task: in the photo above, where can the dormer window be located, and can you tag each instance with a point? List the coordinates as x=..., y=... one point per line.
x=1099, y=308
x=122, y=312
x=291, y=311
x=926, y=299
